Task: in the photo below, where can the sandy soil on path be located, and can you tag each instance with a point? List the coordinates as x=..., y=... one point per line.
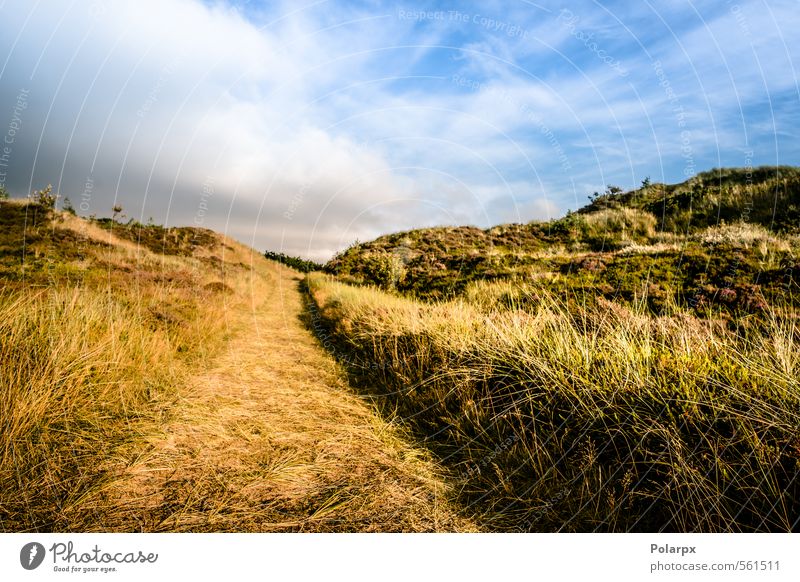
x=269, y=437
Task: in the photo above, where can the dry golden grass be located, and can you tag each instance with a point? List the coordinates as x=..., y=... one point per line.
x=605, y=418
x=16, y=201
x=270, y=438
x=94, y=233
x=142, y=392
x=81, y=371
x=94, y=347
x=627, y=223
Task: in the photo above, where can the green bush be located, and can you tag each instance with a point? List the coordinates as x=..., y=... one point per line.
x=302, y=265
x=68, y=207
x=385, y=271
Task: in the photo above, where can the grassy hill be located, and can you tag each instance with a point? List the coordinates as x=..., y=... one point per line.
x=629, y=367
x=97, y=333
x=632, y=366
x=766, y=196
x=726, y=239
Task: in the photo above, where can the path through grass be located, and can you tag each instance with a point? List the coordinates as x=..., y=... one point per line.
x=269, y=437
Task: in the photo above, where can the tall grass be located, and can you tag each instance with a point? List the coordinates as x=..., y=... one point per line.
x=604, y=419
x=81, y=372
x=93, y=345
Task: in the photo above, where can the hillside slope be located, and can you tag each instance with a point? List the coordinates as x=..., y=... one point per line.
x=600, y=418
x=727, y=240
x=630, y=367
x=767, y=196
x=159, y=379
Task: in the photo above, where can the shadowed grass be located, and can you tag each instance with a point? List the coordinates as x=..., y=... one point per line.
x=604, y=418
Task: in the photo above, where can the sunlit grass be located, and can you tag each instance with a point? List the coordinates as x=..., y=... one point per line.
x=607, y=418
x=95, y=339
x=143, y=391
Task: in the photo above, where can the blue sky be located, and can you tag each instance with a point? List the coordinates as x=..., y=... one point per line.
x=304, y=126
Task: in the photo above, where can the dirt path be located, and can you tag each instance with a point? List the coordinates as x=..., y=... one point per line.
x=270, y=438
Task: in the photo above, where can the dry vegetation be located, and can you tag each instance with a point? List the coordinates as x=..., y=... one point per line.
x=594, y=373
x=270, y=438
x=161, y=380
x=629, y=367
x=611, y=419
x=97, y=336
x=695, y=242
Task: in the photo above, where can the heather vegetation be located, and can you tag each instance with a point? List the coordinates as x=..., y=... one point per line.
x=725, y=241
x=629, y=367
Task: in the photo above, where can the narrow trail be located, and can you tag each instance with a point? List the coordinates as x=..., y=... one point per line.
x=269, y=437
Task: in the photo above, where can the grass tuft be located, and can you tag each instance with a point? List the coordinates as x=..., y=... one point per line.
x=604, y=418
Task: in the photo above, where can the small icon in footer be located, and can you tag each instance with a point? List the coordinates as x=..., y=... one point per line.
x=31, y=555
